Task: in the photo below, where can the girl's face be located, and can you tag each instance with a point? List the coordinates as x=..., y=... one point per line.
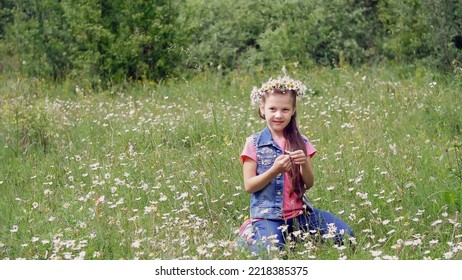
x=278, y=109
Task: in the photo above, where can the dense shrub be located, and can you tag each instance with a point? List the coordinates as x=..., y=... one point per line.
x=422, y=29
x=272, y=33
x=105, y=41
x=97, y=40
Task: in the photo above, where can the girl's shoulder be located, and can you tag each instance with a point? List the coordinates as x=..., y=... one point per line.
x=253, y=137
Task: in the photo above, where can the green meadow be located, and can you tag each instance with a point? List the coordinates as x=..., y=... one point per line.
x=153, y=171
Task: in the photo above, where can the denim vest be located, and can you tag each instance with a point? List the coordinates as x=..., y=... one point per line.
x=267, y=203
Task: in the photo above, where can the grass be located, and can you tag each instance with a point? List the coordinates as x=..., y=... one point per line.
x=147, y=171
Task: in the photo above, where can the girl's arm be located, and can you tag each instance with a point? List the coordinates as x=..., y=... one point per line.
x=254, y=183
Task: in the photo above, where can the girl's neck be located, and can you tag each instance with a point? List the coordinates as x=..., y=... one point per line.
x=278, y=137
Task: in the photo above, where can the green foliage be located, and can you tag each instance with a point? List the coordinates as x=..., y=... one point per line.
x=422, y=30
x=452, y=194
x=238, y=34
x=96, y=40
x=5, y=16
x=107, y=42
x=26, y=126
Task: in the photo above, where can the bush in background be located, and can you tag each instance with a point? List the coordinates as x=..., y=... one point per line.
x=115, y=41
x=97, y=40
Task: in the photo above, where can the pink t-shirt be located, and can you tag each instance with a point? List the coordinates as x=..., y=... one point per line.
x=292, y=204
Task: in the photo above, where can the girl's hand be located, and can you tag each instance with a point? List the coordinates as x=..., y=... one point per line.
x=298, y=157
x=282, y=163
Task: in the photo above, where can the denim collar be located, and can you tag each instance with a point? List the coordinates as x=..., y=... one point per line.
x=266, y=139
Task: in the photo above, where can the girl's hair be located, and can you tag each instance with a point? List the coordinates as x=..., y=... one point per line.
x=294, y=140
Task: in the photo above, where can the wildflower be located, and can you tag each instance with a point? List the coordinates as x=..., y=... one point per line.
x=14, y=229
x=201, y=251
x=134, y=218
x=393, y=148
x=448, y=255
x=81, y=255
x=391, y=232
x=100, y=200
x=436, y=223
x=376, y=253
x=433, y=242
x=81, y=224
x=408, y=185
x=297, y=233
x=183, y=196
x=136, y=244
x=149, y=209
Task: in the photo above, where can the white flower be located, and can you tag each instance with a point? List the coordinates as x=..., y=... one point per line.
x=433, y=242
x=283, y=228
x=448, y=255
x=136, y=244
x=14, y=229
x=376, y=253
x=163, y=197
x=94, y=166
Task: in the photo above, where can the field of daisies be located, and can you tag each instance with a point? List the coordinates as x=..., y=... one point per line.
x=152, y=171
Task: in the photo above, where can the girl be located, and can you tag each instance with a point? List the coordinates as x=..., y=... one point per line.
x=277, y=172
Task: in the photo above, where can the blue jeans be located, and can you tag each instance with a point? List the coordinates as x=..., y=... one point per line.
x=276, y=232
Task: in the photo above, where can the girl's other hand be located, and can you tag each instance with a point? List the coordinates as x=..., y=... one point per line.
x=298, y=157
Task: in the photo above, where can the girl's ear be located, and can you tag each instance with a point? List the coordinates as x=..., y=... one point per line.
x=262, y=109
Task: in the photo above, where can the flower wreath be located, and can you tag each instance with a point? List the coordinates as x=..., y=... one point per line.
x=282, y=83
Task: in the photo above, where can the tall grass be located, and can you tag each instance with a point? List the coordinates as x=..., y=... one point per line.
x=153, y=171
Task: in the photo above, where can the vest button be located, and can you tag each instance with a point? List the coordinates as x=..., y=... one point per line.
x=278, y=193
